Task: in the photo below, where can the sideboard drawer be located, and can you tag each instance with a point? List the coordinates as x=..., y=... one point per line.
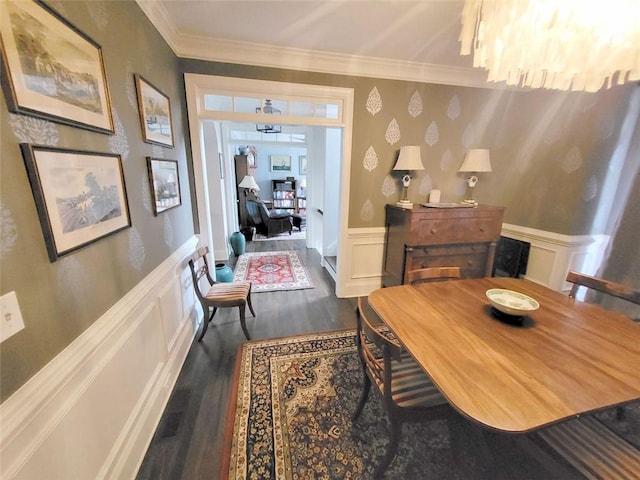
x=472, y=259
x=439, y=231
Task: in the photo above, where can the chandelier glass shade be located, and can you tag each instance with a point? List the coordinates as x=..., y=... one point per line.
x=558, y=44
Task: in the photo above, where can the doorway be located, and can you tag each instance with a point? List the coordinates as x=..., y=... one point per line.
x=212, y=101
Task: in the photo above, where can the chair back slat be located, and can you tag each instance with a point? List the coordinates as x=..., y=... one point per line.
x=605, y=286
x=200, y=268
x=432, y=274
x=372, y=332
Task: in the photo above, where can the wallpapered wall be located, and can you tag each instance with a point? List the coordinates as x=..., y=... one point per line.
x=60, y=300
x=550, y=151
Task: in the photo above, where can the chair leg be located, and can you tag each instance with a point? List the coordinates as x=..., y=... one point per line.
x=205, y=321
x=363, y=398
x=249, y=303
x=396, y=430
x=243, y=322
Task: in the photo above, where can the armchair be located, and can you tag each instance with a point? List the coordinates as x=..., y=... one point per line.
x=268, y=222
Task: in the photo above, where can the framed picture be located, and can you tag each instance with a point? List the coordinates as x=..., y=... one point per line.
x=155, y=113
x=80, y=196
x=280, y=163
x=51, y=69
x=302, y=164
x=165, y=184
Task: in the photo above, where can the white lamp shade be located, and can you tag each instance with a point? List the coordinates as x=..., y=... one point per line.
x=409, y=159
x=477, y=160
x=249, y=182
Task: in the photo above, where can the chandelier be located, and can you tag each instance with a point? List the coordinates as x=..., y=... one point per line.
x=559, y=44
x=269, y=110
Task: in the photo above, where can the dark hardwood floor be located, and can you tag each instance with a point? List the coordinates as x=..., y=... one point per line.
x=188, y=440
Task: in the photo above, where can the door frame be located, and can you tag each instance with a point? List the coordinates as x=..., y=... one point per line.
x=198, y=85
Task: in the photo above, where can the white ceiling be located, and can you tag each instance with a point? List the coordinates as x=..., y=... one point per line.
x=402, y=39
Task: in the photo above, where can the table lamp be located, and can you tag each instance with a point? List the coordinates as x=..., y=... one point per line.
x=250, y=184
x=477, y=160
x=409, y=159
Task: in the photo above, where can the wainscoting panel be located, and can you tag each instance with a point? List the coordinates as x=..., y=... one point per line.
x=365, y=248
x=91, y=412
x=551, y=256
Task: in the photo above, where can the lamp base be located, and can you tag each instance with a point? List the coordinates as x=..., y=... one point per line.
x=404, y=204
x=470, y=201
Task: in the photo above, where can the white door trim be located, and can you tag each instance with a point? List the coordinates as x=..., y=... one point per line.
x=197, y=85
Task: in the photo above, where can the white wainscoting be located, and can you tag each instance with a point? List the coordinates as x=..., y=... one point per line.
x=551, y=256
x=91, y=412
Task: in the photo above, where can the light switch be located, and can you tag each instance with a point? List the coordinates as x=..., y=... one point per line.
x=10, y=317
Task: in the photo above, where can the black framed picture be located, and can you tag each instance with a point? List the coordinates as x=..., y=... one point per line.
x=51, y=69
x=165, y=184
x=155, y=113
x=80, y=196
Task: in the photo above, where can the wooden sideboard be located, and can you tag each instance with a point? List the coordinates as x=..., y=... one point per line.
x=432, y=237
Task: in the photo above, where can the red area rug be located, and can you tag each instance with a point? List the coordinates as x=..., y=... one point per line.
x=273, y=271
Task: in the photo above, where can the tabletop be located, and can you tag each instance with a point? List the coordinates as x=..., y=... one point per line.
x=567, y=357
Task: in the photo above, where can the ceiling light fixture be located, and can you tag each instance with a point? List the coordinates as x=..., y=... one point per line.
x=269, y=110
x=564, y=45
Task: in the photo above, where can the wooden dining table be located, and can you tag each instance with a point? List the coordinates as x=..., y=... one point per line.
x=564, y=359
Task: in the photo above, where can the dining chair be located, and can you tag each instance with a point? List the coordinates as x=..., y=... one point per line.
x=430, y=274
x=225, y=294
x=607, y=287
x=407, y=393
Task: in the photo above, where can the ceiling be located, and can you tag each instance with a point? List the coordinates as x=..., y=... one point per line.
x=401, y=39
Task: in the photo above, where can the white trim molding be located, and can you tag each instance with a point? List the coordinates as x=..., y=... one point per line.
x=247, y=53
x=91, y=411
x=551, y=256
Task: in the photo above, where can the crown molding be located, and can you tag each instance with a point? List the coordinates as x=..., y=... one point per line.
x=246, y=53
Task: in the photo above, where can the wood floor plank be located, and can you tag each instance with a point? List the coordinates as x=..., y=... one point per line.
x=188, y=440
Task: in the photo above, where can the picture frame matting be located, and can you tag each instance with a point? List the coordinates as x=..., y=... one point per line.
x=164, y=181
x=80, y=196
x=52, y=70
x=155, y=113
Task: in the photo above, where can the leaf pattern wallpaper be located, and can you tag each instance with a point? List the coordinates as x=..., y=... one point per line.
x=536, y=141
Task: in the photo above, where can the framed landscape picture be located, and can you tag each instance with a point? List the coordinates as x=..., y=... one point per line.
x=165, y=184
x=155, y=113
x=80, y=196
x=280, y=163
x=302, y=167
x=51, y=69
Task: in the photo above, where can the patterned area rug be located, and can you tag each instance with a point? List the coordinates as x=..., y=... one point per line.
x=290, y=419
x=272, y=271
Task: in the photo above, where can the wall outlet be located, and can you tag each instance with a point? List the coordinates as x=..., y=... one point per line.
x=10, y=317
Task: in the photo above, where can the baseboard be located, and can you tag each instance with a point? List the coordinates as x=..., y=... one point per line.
x=92, y=410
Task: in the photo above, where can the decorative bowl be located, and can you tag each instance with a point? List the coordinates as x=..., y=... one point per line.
x=510, y=302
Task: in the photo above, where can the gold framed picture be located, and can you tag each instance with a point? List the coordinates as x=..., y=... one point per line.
x=155, y=113
x=51, y=69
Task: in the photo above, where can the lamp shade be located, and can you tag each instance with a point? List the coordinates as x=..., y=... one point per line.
x=249, y=182
x=409, y=159
x=477, y=160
